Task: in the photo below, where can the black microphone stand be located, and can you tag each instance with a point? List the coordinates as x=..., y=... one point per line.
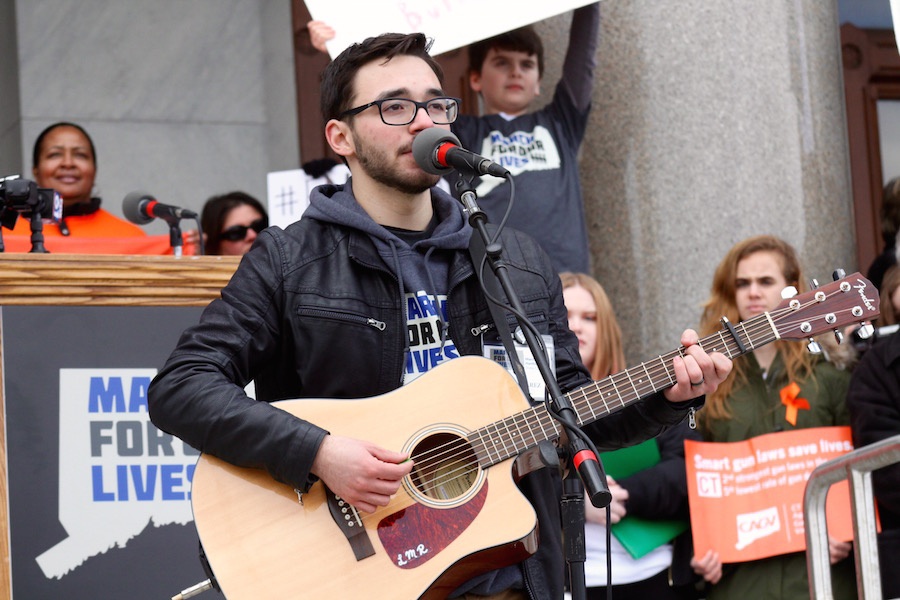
x=575, y=454
x=175, y=238
x=572, y=516
x=8, y=218
x=37, y=232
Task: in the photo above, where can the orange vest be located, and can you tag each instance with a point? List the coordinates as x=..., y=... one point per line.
x=97, y=233
x=96, y=224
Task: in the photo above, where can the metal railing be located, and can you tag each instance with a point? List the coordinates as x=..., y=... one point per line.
x=857, y=467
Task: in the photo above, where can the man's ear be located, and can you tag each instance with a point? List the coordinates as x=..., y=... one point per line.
x=339, y=137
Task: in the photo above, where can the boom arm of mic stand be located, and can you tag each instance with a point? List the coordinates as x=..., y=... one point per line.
x=583, y=459
x=580, y=458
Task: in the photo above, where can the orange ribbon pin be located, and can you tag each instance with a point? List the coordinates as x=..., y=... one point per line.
x=790, y=398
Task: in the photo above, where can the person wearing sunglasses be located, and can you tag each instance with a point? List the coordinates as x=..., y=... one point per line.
x=230, y=223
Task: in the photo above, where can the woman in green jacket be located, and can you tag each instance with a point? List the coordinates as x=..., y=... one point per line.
x=748, y=282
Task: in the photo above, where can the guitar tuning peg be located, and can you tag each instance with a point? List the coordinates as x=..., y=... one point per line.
x=788, y=292
x=839, y=336
x=814, y=347
x=813, y=284
x=838, y=274
x=865, y=331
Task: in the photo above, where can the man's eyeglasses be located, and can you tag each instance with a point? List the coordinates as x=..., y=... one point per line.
x=237, y=233
x=402, y=111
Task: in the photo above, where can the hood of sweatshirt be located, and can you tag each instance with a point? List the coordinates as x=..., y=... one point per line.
x=423, y=265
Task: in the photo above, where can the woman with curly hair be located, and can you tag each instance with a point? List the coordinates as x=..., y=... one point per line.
x=750, y=402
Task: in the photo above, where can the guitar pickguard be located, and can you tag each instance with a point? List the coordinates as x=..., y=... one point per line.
x=418, y=533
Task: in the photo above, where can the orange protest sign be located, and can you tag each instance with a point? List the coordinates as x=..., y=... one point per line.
x=746, y=497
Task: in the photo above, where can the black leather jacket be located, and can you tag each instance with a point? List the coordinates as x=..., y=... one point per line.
x=314, y=311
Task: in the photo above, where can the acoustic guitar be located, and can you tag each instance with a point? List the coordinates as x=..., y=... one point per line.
x=470, y=432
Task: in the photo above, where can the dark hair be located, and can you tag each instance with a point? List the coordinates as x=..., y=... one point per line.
x=339, y=75
x=890, y=211
x=36, y=152
x=216, y=210
x=524, y=39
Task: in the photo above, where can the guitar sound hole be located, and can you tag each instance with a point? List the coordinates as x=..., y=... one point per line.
x=445, y=467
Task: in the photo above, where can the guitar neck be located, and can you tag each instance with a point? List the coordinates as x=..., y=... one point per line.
x=606, y=396
x=510, y=437
x=851, y=299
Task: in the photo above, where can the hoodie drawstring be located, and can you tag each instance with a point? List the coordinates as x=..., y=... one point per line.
x=400, y=287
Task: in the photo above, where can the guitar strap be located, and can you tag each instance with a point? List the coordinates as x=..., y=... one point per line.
x=478, y=253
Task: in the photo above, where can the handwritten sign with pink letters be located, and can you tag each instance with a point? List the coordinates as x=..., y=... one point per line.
x=450, y=23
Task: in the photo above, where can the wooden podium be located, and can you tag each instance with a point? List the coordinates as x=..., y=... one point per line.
x=68, y=280
x=106, y=280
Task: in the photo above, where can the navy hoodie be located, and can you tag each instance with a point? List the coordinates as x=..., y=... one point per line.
x=421, y=268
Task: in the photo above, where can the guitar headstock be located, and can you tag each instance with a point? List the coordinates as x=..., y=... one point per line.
x=851, y=299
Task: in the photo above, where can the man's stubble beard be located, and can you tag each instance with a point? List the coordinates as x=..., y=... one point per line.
x=382, y=168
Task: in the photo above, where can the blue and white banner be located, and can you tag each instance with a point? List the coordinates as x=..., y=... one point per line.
x=117, y=471
x=98, y=497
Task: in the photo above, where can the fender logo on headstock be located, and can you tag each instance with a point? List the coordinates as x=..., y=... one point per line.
x=870, y=304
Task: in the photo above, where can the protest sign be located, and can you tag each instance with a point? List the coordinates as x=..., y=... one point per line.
x=747, y=497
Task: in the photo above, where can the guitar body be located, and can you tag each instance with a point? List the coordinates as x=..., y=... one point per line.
x=449, y=522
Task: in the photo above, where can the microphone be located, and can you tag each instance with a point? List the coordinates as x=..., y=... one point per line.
x=591, y=472
x=141, y=208
x=437, y=151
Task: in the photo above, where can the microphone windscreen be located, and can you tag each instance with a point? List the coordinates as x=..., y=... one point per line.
x=131, y=207
x=424, y=148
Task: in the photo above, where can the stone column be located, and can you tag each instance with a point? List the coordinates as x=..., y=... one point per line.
x=183, y=101
x=10, y=112
x=712, y=122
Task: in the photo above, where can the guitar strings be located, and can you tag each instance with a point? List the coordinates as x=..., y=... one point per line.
x=637, y=382
x=750, y=327
x=448, y=451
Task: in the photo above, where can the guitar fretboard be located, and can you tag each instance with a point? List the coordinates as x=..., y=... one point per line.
x=513, y=435
x=848, y=300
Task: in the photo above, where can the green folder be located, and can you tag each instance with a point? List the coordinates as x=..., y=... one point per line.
x=639, y=536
